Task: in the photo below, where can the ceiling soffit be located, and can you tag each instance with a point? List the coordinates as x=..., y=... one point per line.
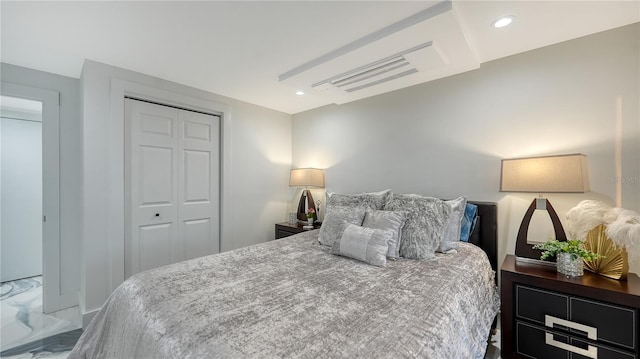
x=423, y=47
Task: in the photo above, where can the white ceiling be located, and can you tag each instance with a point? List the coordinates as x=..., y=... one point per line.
x=239, y=49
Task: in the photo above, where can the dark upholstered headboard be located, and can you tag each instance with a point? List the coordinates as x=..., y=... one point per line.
x=485, y=234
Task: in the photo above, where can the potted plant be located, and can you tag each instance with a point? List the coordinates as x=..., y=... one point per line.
x=569, y=255
x=310, y=213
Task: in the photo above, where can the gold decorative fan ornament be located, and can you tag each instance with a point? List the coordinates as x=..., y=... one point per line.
x=615, y=263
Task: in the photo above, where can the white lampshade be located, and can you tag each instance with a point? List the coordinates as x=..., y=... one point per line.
x=549, y=174
x=306, y=177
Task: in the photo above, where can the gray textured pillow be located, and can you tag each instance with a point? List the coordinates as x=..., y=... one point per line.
x=364, y=244
x=373, y=200
x=451, y=237
x=427, y=218
x=336, y=220
x=388, y=220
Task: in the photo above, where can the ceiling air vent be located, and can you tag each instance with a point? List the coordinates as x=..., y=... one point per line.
x=392, y=65
x=378, y=72
x=383, y=80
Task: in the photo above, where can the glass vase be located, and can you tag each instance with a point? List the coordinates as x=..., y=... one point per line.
x=293, y=219
x=569, y=266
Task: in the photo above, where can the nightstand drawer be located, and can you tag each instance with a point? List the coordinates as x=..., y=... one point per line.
x=533, y=304
x=616, y=325
x=536, y=342
x=611, y=324
x=603, y=351
x=530, y=341
x=283, y=233
x=287, y=229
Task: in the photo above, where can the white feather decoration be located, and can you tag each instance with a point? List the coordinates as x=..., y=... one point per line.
x=585, y=216
x=625, y=231
x=623, y=225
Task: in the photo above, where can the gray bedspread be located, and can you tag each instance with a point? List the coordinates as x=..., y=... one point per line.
x=290, y=298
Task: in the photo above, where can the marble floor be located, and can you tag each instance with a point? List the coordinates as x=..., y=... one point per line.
x=25, y=331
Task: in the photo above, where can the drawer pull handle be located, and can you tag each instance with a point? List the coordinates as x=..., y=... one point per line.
x=592, y=333
x=591, y=352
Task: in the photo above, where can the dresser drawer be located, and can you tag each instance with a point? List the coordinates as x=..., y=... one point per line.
x=534, y=341
x=616, y=325
x=530, y=341
x=287, y=229
x=533, y=304
x=283, y=233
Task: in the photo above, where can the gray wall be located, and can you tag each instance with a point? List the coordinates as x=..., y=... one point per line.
x=259, y=158
x=446, y=138
x=70, y=164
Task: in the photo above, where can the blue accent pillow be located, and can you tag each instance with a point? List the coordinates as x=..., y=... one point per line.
x=468, y=221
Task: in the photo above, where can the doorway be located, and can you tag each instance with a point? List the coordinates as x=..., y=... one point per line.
x=22, y=222
x=49, y=218
x=20, y=188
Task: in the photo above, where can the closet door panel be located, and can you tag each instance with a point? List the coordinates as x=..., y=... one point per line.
x=155, y=183
x=155, y=246
x=197, y=235
x=198, y=197
x=197, y=176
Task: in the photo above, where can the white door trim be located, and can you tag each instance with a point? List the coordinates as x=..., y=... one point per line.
x=116, y=179
x=52, y=296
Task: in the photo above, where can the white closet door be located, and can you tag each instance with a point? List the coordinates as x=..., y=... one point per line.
x=153, y=227
x=198, y=189
x=172, y=189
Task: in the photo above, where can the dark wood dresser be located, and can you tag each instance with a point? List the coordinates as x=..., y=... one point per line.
x=546, y=315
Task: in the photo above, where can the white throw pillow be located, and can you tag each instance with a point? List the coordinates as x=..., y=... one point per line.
x=364, y=244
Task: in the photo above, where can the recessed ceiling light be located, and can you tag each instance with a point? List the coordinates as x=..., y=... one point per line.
x=299, y=93
x=502, y=22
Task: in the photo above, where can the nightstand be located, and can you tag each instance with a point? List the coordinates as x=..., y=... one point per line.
x=287, y=229
x=547, y=315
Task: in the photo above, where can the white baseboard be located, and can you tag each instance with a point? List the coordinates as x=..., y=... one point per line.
x=87, y=317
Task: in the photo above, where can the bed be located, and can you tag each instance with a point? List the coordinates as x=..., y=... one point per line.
x=291, y=298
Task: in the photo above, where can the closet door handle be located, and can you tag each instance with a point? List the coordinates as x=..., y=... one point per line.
x=590, y=352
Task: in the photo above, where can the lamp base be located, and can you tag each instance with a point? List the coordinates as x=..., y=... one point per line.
x=302, y=206
x=524, y=249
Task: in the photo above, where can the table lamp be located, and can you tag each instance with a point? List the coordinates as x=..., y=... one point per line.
x=548, y=174
x=306, y=177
